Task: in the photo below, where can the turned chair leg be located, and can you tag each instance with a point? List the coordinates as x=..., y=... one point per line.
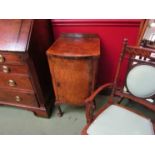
x=94, y=104
x=60, y=113
x=120, y=101
x=153, y=125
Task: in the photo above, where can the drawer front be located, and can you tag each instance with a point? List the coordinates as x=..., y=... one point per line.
x=11, y=58
x=15, y=81
x=18, y=69
x=15, y=97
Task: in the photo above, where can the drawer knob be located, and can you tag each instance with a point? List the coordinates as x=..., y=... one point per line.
x=18, y=98
x=6, y=69
x=12, y=83
x=2, y=59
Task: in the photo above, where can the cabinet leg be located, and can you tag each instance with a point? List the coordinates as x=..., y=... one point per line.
x=60, y=113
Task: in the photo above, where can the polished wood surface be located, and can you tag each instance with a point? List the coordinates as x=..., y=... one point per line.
x=76, y=45
x=14, y=34
x=24, y=66
x=11, y=58
x=8, y=69
x=73, y=80
x=18, y=97
x=128, y=54
x=73, y=61
x=15, y=81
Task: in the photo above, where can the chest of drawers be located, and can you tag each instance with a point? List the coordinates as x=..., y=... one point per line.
x=24, y=73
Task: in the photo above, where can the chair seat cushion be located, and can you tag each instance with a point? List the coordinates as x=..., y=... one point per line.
x=120, y=121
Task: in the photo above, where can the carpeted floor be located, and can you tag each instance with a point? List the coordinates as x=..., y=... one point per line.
x=21, y=122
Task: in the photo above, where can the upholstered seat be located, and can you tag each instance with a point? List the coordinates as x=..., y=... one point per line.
x=120, y=121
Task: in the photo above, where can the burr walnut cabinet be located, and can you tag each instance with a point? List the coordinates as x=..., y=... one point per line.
x=24, y=73
x=73, y=62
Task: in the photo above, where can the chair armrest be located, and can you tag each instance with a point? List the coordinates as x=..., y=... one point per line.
x=89, y=102
x=98, y=90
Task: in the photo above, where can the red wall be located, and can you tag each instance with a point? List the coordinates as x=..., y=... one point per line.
x=111, y=33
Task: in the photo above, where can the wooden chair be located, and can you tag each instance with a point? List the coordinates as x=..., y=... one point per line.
x=134, y=80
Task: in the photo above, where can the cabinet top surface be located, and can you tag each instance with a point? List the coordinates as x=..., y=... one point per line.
x=14, y=34
x=76, y=44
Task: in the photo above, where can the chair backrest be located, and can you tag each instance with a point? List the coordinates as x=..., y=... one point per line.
x=135, y=75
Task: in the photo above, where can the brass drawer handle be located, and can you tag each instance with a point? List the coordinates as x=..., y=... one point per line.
x=2, y=59
x=12, y=83
x=18, y=98
x=6, y=69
